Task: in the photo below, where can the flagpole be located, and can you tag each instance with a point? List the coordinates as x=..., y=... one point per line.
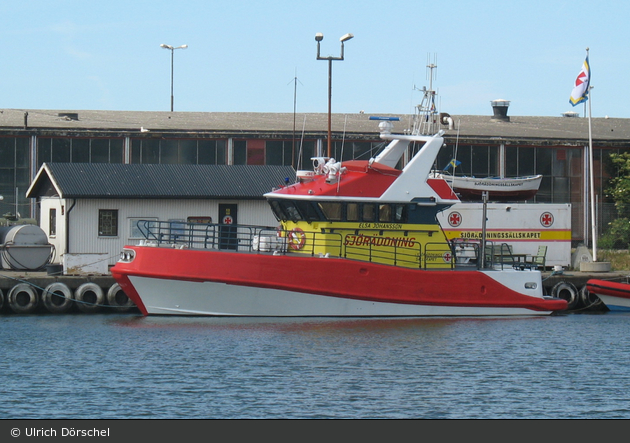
x=591, y=173
x=581, y=93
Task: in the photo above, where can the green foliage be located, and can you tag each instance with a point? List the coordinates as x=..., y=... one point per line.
x=617, y=236
x=619, y=186
x=619, y=259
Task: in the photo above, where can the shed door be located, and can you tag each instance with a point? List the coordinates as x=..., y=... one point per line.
x=227, y=231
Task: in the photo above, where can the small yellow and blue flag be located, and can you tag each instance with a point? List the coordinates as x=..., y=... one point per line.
x=452, y=164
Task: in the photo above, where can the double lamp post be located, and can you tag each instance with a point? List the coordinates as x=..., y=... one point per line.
x=172, y=49
x=318, y=38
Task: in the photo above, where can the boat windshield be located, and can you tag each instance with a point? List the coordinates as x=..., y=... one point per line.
x=329, y=211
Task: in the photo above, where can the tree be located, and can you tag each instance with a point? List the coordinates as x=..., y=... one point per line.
x=618, y=233
x=619, y=186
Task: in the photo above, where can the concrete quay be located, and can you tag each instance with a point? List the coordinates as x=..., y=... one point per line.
x=28, y=292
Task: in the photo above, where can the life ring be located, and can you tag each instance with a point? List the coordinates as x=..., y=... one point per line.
x=296, y=238
x=117, y=298
x=23, y=298
x=89, y=297
x=57, y=298
x=588, y=299
x=566, y=291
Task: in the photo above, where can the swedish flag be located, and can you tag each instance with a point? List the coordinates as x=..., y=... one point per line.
x=452, y=164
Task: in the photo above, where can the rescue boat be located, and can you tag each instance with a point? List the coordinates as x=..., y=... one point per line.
x=355, y=239
x=614, y=294
x=498, y=188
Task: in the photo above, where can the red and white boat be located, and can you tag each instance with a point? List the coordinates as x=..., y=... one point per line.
x=358, y=239
x=498, y=188
x=615, y=295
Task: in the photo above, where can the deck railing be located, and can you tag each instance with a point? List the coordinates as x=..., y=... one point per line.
x=259, y=239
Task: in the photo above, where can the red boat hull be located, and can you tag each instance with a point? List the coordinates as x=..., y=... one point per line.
x=328, y=279
x=615, y=295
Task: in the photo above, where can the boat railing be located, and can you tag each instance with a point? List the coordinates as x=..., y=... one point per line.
x=385, y=250
x=200, y=235
x=467, y=252
x=382, y=247
x=296, y=241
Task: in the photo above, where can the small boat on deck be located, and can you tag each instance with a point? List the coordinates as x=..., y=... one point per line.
x=615, y=295
x=358, y=239
x=498, y=188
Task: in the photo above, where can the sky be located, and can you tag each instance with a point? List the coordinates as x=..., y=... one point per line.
x=260, y=56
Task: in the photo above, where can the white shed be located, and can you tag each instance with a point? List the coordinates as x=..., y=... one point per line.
x=90, y=210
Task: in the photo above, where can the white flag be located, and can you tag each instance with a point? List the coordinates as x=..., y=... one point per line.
x=580, y=91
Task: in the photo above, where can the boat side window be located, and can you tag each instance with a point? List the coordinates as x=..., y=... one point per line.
x=400, y=213
x=384, y=213
x=331, y=210
x=276, y=208
x=368, y=212
x=352, y=212
x=290, y=211
x=308, y=210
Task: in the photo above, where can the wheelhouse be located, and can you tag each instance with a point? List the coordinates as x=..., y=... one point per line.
x=326, y=211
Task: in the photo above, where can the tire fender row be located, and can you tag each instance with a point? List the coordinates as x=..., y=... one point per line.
x=58, y=298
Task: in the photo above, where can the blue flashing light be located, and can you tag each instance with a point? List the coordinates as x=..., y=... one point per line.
x=389, y=119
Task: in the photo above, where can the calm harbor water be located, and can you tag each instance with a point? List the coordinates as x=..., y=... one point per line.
x=105, y=366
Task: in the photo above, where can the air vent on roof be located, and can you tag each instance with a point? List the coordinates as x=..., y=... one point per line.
x=500, y=108
x=570, y=114
x=69, y=115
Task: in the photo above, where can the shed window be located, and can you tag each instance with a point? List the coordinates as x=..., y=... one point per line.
x=108, y=222
x=52, y=222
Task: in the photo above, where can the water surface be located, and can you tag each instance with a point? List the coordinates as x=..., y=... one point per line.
x=126, y=366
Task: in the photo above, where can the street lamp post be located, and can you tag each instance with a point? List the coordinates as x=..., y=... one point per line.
x=318, y=38
x=172, y=49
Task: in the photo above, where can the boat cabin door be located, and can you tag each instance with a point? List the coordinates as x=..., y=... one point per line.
x=227, y=226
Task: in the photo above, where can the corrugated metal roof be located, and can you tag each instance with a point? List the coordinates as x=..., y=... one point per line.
x=559, y=130
x=103, y=180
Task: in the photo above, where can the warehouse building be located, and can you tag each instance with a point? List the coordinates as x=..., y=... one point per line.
x=486, y=145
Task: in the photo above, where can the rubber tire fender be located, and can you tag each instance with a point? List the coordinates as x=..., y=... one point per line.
x=15, y=303
x=566, y=291
x=122, y=303
x=89, y=289
x=52, y=292
x=589, y=300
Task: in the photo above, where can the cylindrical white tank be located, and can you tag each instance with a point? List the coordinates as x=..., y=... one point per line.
x=24, y=247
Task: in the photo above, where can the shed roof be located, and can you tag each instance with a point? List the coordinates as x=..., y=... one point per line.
x=157, y=181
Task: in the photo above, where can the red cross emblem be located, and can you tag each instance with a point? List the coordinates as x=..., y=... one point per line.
x=546, y=219
x=454, y=218
x=227, y=220
x=447, y=257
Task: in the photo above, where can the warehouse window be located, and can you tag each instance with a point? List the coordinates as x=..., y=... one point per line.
x=79, y=150
x=108, y=222
x=239, y=148
x=279, y=152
